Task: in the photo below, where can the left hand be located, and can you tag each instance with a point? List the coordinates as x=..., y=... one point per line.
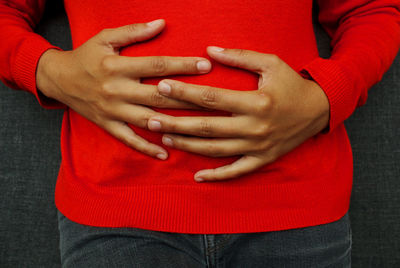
x=265, y=124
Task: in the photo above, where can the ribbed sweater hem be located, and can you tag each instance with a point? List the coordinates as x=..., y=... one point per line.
x=181, y=208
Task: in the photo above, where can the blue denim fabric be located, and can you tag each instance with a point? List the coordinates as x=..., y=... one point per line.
x=327, y=245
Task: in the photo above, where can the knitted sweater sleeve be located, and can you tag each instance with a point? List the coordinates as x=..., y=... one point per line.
x=21, y=48
x=365, y=40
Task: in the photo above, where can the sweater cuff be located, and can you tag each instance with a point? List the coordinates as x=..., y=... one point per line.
x=24, y=69
x=334, y=81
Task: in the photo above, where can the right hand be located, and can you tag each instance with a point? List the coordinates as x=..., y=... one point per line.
x=104, y=87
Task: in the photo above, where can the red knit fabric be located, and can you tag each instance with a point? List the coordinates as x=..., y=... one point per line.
x=102, y=182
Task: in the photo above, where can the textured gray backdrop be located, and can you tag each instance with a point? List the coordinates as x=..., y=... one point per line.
x=30, y=157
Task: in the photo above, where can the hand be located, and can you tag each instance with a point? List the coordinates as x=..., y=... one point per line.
x=265, y=124
x=98, y=83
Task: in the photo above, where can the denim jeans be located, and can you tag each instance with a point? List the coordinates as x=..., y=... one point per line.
x=327, y=245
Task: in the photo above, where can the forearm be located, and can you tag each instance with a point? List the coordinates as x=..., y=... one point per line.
x=21, y=48
x=365, y=40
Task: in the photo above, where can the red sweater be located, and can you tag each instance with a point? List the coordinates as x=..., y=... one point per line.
x=102, y=182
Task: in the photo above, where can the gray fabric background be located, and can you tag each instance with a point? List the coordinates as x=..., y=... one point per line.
x=30, y=157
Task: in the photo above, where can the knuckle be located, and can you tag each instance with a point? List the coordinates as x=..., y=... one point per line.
x=144, y=147
x=98, y=119
x=179, y=90
x=157, y=99
x=143, y=121
x=205, y=128
x=149, y=114
x=106, y=90
x=103, y=34
x=242, y=52
x=264, y=104
x=264, y=145
x=158, y=64
x=131, y=28
x=189, y=65
x=127, y=140
x=171, y=126
x=138, y=145
x=108, y=65
x=98, y=104
x=274, y=59
x=131, y=141
x=102, y=108
x=209, y=97
x=211, y=150
x=273, y=156
x=261, y=130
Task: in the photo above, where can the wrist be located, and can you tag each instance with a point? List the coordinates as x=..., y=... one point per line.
x=47, y=73
x=321, y=106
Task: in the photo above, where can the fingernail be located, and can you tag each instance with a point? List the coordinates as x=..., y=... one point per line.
x=198, y=179
x=155, y=23
x=167, y=141
x=216, y=49
x=203, y=66
x=162, y=156
x=154, y=125
x=164, y=88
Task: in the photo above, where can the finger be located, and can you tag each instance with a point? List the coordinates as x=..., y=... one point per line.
x=242, y=166
x=148, y=95
x=160, y=66
x=210, y=147
x=136, y=115
x=245, y=59
x=136, y=93
x=211, y=97
x=125, y=134
x=132, y=33
x=203, y=126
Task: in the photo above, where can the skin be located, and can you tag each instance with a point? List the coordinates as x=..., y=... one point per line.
x=265, y=124
x=104, y=87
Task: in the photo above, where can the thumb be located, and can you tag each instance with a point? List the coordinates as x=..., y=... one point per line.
x=131, y=33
